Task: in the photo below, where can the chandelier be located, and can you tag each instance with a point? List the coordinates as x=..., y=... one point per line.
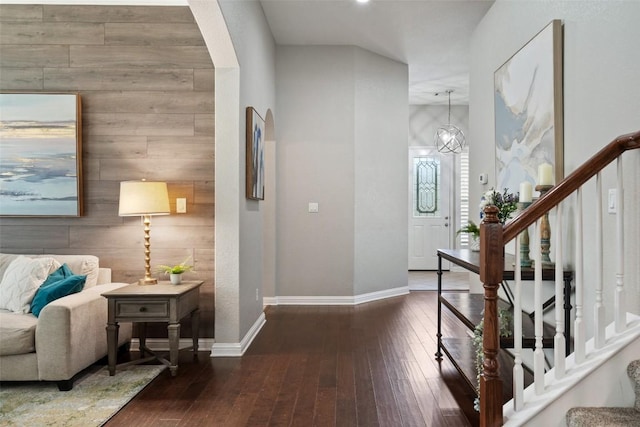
x=449, y=138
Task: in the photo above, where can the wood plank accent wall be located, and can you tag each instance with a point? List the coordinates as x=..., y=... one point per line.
x=146, y=82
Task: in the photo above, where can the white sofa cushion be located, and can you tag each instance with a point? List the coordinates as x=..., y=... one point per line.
x=85, y=265
x=17, y=333
x=82, y=265
x=21, y=280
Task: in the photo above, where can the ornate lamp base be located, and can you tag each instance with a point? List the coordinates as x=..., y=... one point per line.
x=545, y=232
x=148, y=281
x=525, y=261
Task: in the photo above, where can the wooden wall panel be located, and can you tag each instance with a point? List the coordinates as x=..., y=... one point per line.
x=21, y=79
x=35, y=237
x=19, y=13
x=203, y=79
x=192, y=147
x=116, y=146
x=152, y=34
x=147, y=85
x=139, y=56
x=44, y=33
x=28, y=56
x=148, y=102
x=117, y=14
x=117, y=79
x=139, y=124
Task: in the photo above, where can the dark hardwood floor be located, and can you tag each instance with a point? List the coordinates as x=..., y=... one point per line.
x=368, y=365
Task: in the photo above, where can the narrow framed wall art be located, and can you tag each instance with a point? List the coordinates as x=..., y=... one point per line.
x=255, y=155
x=40, y=155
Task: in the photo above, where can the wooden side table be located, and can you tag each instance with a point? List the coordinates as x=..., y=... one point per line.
x=163, y=302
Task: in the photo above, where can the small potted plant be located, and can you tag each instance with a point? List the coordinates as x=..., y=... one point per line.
x=474, y=231
x=175, y=271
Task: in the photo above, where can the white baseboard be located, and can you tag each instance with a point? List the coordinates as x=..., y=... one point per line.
x=238, y=349
x=336, y=300
x=162, y=344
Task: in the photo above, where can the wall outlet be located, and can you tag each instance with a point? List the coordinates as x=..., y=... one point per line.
x=314, y=207
x=181, y=205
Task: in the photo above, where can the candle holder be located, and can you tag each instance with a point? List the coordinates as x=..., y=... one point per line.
x=525, y=261
x=545, y=231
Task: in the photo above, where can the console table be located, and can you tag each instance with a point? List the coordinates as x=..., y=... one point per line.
x=467, y=307
x=163, y=302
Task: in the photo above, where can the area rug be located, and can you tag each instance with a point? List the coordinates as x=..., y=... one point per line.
x=94, y=399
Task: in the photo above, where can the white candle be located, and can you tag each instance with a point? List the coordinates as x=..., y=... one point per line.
x=545, y=174
x=526, y=192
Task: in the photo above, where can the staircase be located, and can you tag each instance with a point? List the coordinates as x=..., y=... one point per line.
x=585, y=377
x=610, y=416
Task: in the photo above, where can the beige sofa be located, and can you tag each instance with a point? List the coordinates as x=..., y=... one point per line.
x=69, y=334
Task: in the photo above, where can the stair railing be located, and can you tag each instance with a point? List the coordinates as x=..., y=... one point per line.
x=493, y=237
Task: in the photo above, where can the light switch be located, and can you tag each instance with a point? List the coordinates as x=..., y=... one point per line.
x=181, y=205
x=313, y=208
x=611, y=203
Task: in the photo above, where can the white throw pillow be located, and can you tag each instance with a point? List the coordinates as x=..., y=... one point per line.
x=22, y=279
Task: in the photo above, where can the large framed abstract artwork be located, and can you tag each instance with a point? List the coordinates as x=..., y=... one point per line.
x=528, y=111
x=255, y=155
x=40, y=154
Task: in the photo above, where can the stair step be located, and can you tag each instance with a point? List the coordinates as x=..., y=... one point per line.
x=610, y=417
x=468, y=308
x=461, y=352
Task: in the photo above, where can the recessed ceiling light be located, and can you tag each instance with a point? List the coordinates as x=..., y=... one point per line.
x=362, y=1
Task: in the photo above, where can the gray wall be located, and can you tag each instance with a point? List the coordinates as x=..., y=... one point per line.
x=255, y=50
x=341, y=142
x=601, y=101
x=146, y=81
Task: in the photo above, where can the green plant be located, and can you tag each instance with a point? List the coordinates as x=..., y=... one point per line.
x=507, y=203
x=504, y=323
x=471, y=228
x=183, y=267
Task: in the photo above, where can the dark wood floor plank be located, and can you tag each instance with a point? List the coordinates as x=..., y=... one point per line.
x=345, y=391
x=361, y=366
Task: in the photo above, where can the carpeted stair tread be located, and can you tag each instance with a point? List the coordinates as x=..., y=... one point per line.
x=633, y=370
x=610, y=417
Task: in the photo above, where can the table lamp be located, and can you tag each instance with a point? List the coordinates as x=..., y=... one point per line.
x=144, y=198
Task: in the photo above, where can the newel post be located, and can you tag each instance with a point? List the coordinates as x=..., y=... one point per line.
x=491, y=268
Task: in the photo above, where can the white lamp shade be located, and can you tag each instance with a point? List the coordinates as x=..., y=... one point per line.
x=139, y=198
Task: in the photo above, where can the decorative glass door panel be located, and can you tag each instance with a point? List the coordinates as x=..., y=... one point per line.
x=430, y=175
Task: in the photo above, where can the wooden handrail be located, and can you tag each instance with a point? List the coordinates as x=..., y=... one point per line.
x=571, y=183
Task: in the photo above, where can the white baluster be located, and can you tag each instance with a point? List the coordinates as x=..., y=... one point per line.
x=559, y=339
x=598, y=309
x=518, y=373
x=538, y=353
x=579, y=332
x=619, y=305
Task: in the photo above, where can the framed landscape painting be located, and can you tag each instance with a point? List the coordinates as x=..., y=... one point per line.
x=255, y=155
x=528, y=111
x=40, y=154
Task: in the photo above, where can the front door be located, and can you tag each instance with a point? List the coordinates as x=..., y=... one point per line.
x=430, y=178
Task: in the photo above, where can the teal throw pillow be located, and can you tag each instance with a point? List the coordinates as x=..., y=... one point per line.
x=59, y=274
x=53, y=291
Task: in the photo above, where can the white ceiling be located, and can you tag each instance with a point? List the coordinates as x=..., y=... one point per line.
x=431, y=36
